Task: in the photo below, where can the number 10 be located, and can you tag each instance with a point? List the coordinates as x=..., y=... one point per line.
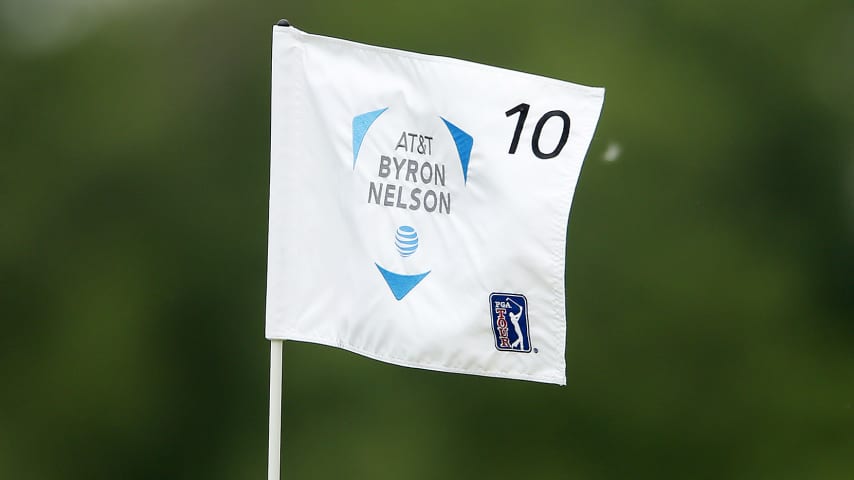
x=522, y=110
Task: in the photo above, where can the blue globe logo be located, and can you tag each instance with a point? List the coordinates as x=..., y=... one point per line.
x=406, y=240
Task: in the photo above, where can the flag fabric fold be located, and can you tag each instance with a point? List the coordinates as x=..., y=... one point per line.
x=419, y=204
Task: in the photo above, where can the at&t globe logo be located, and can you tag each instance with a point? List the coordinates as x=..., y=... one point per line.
x=406, y=240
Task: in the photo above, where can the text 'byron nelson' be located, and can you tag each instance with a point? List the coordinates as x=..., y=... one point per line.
x=408, y=195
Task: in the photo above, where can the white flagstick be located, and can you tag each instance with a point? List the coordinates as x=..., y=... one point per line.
x=275, y=409
x=275, y=445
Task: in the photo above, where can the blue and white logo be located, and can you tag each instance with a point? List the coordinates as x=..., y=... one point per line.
x=510, y=322
x=414, y=164
x=406, y=240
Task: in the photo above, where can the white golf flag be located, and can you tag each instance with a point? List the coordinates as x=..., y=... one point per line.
x=418, y=206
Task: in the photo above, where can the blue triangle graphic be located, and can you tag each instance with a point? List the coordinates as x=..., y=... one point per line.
x=464, y=143
x=399, y=284
x=361, y=124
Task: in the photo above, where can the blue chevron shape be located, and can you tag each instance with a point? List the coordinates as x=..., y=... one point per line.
x=400, y=284
x=464, y=143
x=361, y=124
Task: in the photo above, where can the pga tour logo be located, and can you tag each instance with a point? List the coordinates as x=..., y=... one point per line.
x=510, y=322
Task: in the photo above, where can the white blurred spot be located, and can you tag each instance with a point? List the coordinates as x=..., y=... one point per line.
x=612, y=153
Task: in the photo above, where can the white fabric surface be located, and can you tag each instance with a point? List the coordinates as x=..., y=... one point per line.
x=496, y=227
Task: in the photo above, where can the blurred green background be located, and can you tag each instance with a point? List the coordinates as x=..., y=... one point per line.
x=709, y=274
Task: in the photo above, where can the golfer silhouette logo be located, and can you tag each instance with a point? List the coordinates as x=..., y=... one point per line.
x=510, y=322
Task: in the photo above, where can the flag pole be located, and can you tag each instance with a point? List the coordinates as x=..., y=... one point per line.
x=275, y=441
x=275, y=410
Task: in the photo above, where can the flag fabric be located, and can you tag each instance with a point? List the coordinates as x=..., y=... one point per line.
x=419, y=206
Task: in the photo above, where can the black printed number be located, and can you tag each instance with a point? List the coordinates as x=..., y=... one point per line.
x=522, y=110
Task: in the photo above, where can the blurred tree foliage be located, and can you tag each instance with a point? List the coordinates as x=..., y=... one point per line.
x=709, y=271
